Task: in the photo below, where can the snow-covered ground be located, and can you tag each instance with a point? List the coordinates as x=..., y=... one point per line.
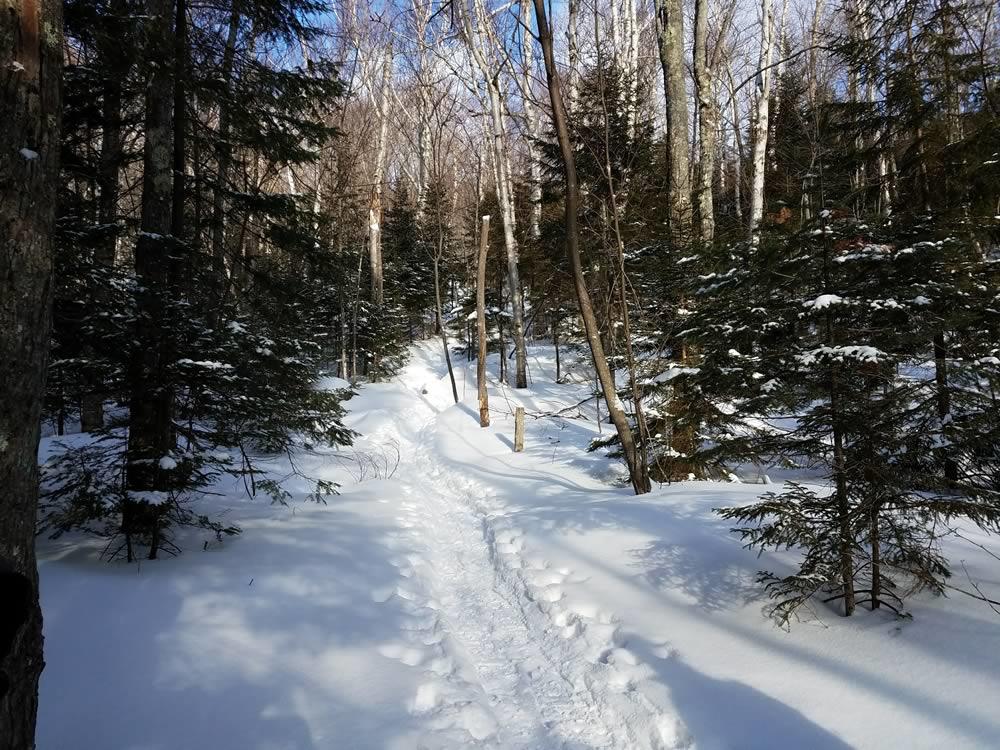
x=469, y=597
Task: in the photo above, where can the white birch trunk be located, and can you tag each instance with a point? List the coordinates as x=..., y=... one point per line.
x=378, y=178
x=760, y=121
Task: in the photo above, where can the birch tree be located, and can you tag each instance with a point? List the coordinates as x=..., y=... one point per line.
x=707, y=61
x=670, y=37
x=475, y=28
x=760, y=120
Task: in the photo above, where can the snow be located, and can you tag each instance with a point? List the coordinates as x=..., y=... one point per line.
x=840, y=353
x=477, y=598
x=28, y=154
x=824, y=301
x=150, y=496
x=167, y=463
x=207, y=364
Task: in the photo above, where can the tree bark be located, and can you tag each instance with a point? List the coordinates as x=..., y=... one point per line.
x=31, y=51
x=375, y=199
x=223, y=157
x=670, y=31
x=117, y=65
x=152, y=396
x=760, y=121
x=484, y=402
x=708, y=122
x=441, y=329
x=640, y=483
x=531, y=119
x=573, y=51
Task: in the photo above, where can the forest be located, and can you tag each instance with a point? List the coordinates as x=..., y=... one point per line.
x=462, y=348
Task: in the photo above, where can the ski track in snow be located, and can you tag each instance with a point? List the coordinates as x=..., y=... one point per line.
x=507, y=665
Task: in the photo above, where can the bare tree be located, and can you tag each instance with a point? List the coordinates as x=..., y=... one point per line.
x=639, y=479
x=475, y=25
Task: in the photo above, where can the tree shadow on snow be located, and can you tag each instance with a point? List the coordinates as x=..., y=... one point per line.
x=697, y=570
x=724, y=714
x=243, y=647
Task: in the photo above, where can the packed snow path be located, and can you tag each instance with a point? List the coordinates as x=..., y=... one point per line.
x=504, y=661
x=471, y=597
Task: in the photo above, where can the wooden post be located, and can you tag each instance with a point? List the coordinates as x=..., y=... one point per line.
x=518, y=429
x=484, y=402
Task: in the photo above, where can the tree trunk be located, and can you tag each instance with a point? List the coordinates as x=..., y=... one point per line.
x=846, y=533
x=375, y=201
x=708, y=122
x=92, y=406
x=484, y=402
x=444, y=334
x=640, y=483
x=152, y=396
x=760, y=121
x=670, y=31
x=223, y=157
x=505, y=193
x=532, y=122
x=573, y=51
x=31, y=49
x=177, y=227
x=944, y=400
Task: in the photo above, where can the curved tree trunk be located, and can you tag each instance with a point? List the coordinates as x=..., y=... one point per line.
x=640, y=481
x=30, y=61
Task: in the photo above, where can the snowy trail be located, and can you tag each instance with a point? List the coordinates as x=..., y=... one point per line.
x=504, y=662
x=478, y=598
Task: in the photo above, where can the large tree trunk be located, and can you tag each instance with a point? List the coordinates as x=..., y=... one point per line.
x=760, y=120
x=670, y=29
x=640, y=482
x=30, y=68
x=484, y=402
x=152, y=396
